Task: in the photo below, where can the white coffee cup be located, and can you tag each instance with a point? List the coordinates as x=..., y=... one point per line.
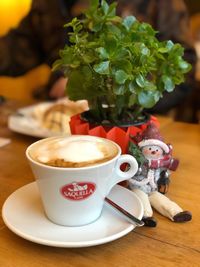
x=75, y=196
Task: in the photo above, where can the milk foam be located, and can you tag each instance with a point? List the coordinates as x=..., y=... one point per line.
x=79, y=151
x=73, y=149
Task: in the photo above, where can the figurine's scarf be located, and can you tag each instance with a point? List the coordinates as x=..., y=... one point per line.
x=166, y=162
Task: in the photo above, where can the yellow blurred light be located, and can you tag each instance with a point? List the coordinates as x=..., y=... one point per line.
x=11, y=13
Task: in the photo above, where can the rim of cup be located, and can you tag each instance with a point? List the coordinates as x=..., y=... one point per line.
x=71, y=168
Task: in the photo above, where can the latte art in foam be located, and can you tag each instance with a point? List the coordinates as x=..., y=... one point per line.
x=74, y=151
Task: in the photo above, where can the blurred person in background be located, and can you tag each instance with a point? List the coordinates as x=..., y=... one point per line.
x=40, y=36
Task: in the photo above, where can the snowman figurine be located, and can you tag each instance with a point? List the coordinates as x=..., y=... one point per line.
x=157, y=159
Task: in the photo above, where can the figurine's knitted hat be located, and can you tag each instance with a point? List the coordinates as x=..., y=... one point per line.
x=152, y=136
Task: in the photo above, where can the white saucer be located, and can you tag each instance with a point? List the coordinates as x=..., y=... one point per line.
x=23, y=214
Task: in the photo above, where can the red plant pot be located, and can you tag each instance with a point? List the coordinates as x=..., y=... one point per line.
x=120, y=135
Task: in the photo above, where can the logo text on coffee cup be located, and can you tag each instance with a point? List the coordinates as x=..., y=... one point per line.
x=78, y=191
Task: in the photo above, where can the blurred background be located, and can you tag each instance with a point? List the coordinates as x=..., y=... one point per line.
x=13, y=11
x=11, y=14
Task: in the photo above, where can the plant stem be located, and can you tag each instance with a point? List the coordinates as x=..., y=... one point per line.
x=138, y=111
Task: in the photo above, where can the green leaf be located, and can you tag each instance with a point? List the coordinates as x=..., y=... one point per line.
x=112, y=10
x=184, y=65
x=163, y=50
x=102, y=53
x=57, y=64
x=168, y=83
x=128, y=22
x=137, y=153
x=169, y=45
x=140, y=80
x=145, y=51
x=67, y=56
x=146, y=28
x=123, y=64
x=97, y=26
x=148, y=99
x=75, y=64
x=121, y=53
x=111, y=44
x=79, y=28
x=121, y=76
x=131, y=86
x=105, y=7
x=102, y=68
x=72, y=23
x=114, y=30
x=150, y=86
x=160, y=56
x=177, y=50
x=119, y=89
x=94, y=4
x=88, y=58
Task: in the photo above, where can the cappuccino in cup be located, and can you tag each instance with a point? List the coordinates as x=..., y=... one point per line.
x=73, y=151
x=74, y=174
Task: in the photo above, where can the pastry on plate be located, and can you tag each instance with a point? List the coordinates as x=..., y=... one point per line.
x=56, y=116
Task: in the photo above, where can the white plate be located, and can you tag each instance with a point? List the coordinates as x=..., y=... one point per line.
x=23, y=122
x=23, y=214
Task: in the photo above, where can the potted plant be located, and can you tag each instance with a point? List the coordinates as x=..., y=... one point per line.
x=118, y=65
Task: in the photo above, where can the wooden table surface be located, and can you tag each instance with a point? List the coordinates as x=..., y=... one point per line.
x=169, y=244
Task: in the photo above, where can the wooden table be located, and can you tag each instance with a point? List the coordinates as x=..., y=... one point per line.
x=169, y=244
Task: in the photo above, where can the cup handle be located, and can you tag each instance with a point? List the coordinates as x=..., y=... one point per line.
x=125, y=175
x=118, y=175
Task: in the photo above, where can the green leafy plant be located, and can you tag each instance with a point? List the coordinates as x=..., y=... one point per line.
x=118, y=64
x=134, y=150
